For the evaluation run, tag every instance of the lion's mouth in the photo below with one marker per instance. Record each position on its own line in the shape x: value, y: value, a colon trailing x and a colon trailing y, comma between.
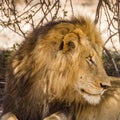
x: 92, y: 98
x: 93, y: 94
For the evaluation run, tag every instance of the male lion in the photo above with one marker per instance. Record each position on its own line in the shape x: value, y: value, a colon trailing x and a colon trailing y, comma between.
x: 58, y: 74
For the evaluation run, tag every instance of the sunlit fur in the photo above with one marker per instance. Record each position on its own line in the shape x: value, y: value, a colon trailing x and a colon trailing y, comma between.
x: 57, y: 68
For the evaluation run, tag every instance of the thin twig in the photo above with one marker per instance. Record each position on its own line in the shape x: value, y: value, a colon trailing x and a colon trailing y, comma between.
x: 97, y: 11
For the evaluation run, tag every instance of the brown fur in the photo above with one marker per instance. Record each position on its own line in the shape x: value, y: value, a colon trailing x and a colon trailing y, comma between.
x: 58, y: 68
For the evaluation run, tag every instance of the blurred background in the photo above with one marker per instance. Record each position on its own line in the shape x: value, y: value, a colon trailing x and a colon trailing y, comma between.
x: 19, y: 17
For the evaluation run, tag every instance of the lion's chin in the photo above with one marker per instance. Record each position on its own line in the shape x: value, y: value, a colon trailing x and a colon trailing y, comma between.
x: 92, y: 99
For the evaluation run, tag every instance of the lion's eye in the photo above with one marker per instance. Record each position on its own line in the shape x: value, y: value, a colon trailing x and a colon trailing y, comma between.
x: 90, y: 60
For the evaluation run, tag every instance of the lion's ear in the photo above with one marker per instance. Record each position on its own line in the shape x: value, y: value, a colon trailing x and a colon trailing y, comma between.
x: 69, y: 42
x: 68, y: 46
x: 61, y: 45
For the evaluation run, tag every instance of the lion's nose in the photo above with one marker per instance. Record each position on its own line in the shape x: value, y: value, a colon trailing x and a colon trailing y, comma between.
x: 105, y: 85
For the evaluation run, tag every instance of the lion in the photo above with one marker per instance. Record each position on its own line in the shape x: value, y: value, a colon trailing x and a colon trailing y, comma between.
x: 57, y: 74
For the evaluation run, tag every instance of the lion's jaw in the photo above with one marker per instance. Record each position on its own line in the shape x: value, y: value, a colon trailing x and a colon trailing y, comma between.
x: 92, y: 99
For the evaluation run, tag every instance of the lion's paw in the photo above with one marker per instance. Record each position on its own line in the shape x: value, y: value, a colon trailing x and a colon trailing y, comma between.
x: 56, y: 116
x: 9, y: 116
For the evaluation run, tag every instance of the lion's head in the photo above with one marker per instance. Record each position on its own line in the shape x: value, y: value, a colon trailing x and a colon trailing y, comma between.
x: 62, y: 60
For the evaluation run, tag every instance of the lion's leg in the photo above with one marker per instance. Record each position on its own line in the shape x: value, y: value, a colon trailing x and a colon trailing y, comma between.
x: 56, y: 116
x: 9, y: 116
